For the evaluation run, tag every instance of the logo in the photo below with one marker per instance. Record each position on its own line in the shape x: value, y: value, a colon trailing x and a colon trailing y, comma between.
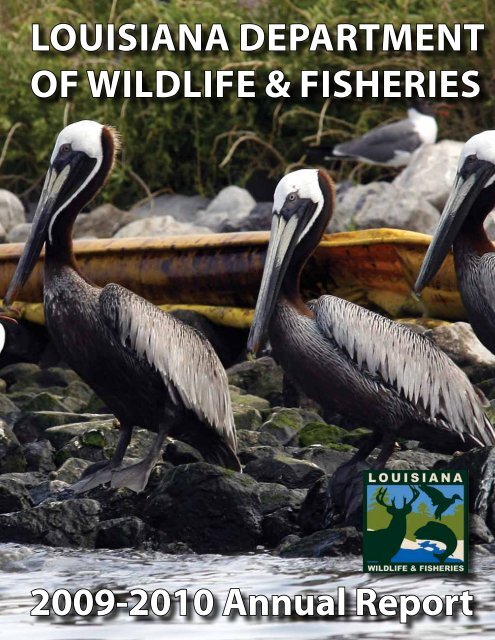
x: 415, y: 521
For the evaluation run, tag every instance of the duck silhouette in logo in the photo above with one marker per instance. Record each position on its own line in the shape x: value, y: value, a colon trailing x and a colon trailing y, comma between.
x: 383, y: 544
x: 439, y: 532
x: 441, y: 502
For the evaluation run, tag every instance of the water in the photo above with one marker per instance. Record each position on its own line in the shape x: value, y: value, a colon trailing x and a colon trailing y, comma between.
x: 25, y: 568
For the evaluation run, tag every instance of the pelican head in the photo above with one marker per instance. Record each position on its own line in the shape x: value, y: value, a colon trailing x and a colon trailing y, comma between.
x: 81, y: 160
x: 2, y: 330
x: 301, y: 213
x: 471, y: 198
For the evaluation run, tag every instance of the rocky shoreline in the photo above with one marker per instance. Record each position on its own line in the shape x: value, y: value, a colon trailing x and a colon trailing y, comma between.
x: 54, y: 426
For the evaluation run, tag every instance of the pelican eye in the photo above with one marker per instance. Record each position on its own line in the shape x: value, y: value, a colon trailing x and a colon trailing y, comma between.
x: 65, y: 149
x: 291, y: 197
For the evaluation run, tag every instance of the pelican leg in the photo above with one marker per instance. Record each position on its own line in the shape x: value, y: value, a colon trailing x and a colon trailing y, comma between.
x: 366, y: 448
x: 135, y: 477
x: 388, y: 448
x: 101, y: 472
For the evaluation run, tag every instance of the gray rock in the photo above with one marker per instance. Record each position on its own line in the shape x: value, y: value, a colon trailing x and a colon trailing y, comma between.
x: 8, y: 410
x: 278, y: 525
x: 210, y: 509
x: 14, y: 495
x: 397, y: 208
x: 479, y: 533
x: 21, y: 372
x: 329, y: 542
x: 295, y: 474
x: 313, y: 509
x: 324, y: 457
x: 177, y: 452
x: 32, y: 425
x: 284, y: 425
x: 11, y: 210
x: 11, y: 454
x: 71, y: 523
x: 460, y: 343
x: 231, y: 204
x: 19, y: 233
x: 481, y: 466
x: 431, y: 171
x: 261, y: 377
x: 40, y: 456
x: 275, y: 496
x: 119, y: 533
x: 350, y: 200
x: 72, y: 470
x: 259, y: 219
x: 102, y: 222
x: 160, y: 226
x: 182, y: 208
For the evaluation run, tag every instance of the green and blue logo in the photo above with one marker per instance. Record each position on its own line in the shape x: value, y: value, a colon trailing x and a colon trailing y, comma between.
x: 415, y: 521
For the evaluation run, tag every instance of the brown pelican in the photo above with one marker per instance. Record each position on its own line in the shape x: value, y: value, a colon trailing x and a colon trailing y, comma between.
x: 149, y: 368
x: 347, y: 358
x: 391, y: 144
x: 461, y: 225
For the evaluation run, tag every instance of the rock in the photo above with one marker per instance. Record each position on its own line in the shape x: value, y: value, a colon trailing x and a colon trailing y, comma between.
x: 72, y: 470
x: 160, y: 226
x: 329, y: 542
x: 313, y: 509
x: 119, y: 533
x: 350, y: 200
x: 479, y: 533
x: 324, y: 457
x: 261, y: 377
x: 295, y: 474
x: 324, y: 434
x: 39, y: 456
x: 460, y: 343
x: 29, y: 479
x: 11, y: 210
x: 418, y: 459
x: 45, y: 401
x: 32, y: 425
x: 246, y: 417
x: 14, y: 495
x: 19, y: 233
x: 11, y: 454
x: 397, y: 208
x: 275, y: 496
x: 259, y: 219
x: 71, y: 523
x: 96, y: 441
x: 231, y: 204
x: 182, y: 208
x: 8, y: 409
x: 21, y: 372
x: 278, y: 525
x: 177, y: 452
x: 284, y: 425
x: 212, y: 510
x: 102, y: 222
x: 50, y: 491
x: 481, y: 466
x: 431, y: 171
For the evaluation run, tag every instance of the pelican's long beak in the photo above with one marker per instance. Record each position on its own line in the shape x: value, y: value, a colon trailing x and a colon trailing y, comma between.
x: 458, y: 206
x: 53, y: 187
x: 284, y: 235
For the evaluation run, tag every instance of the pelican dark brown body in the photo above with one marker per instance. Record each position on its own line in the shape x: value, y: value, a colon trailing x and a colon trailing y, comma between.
x: 150, y: 369
x: 349, y: 359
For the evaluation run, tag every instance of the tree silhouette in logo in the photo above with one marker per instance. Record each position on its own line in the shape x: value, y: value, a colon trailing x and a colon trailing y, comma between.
x: 383, y: 544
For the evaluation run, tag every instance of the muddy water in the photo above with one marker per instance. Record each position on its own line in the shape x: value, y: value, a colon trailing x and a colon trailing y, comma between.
x: 25, y: 568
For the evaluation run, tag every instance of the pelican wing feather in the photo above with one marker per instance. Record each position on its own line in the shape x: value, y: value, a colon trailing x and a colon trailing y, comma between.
x: 402, y: 358
x: 184, y: 358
